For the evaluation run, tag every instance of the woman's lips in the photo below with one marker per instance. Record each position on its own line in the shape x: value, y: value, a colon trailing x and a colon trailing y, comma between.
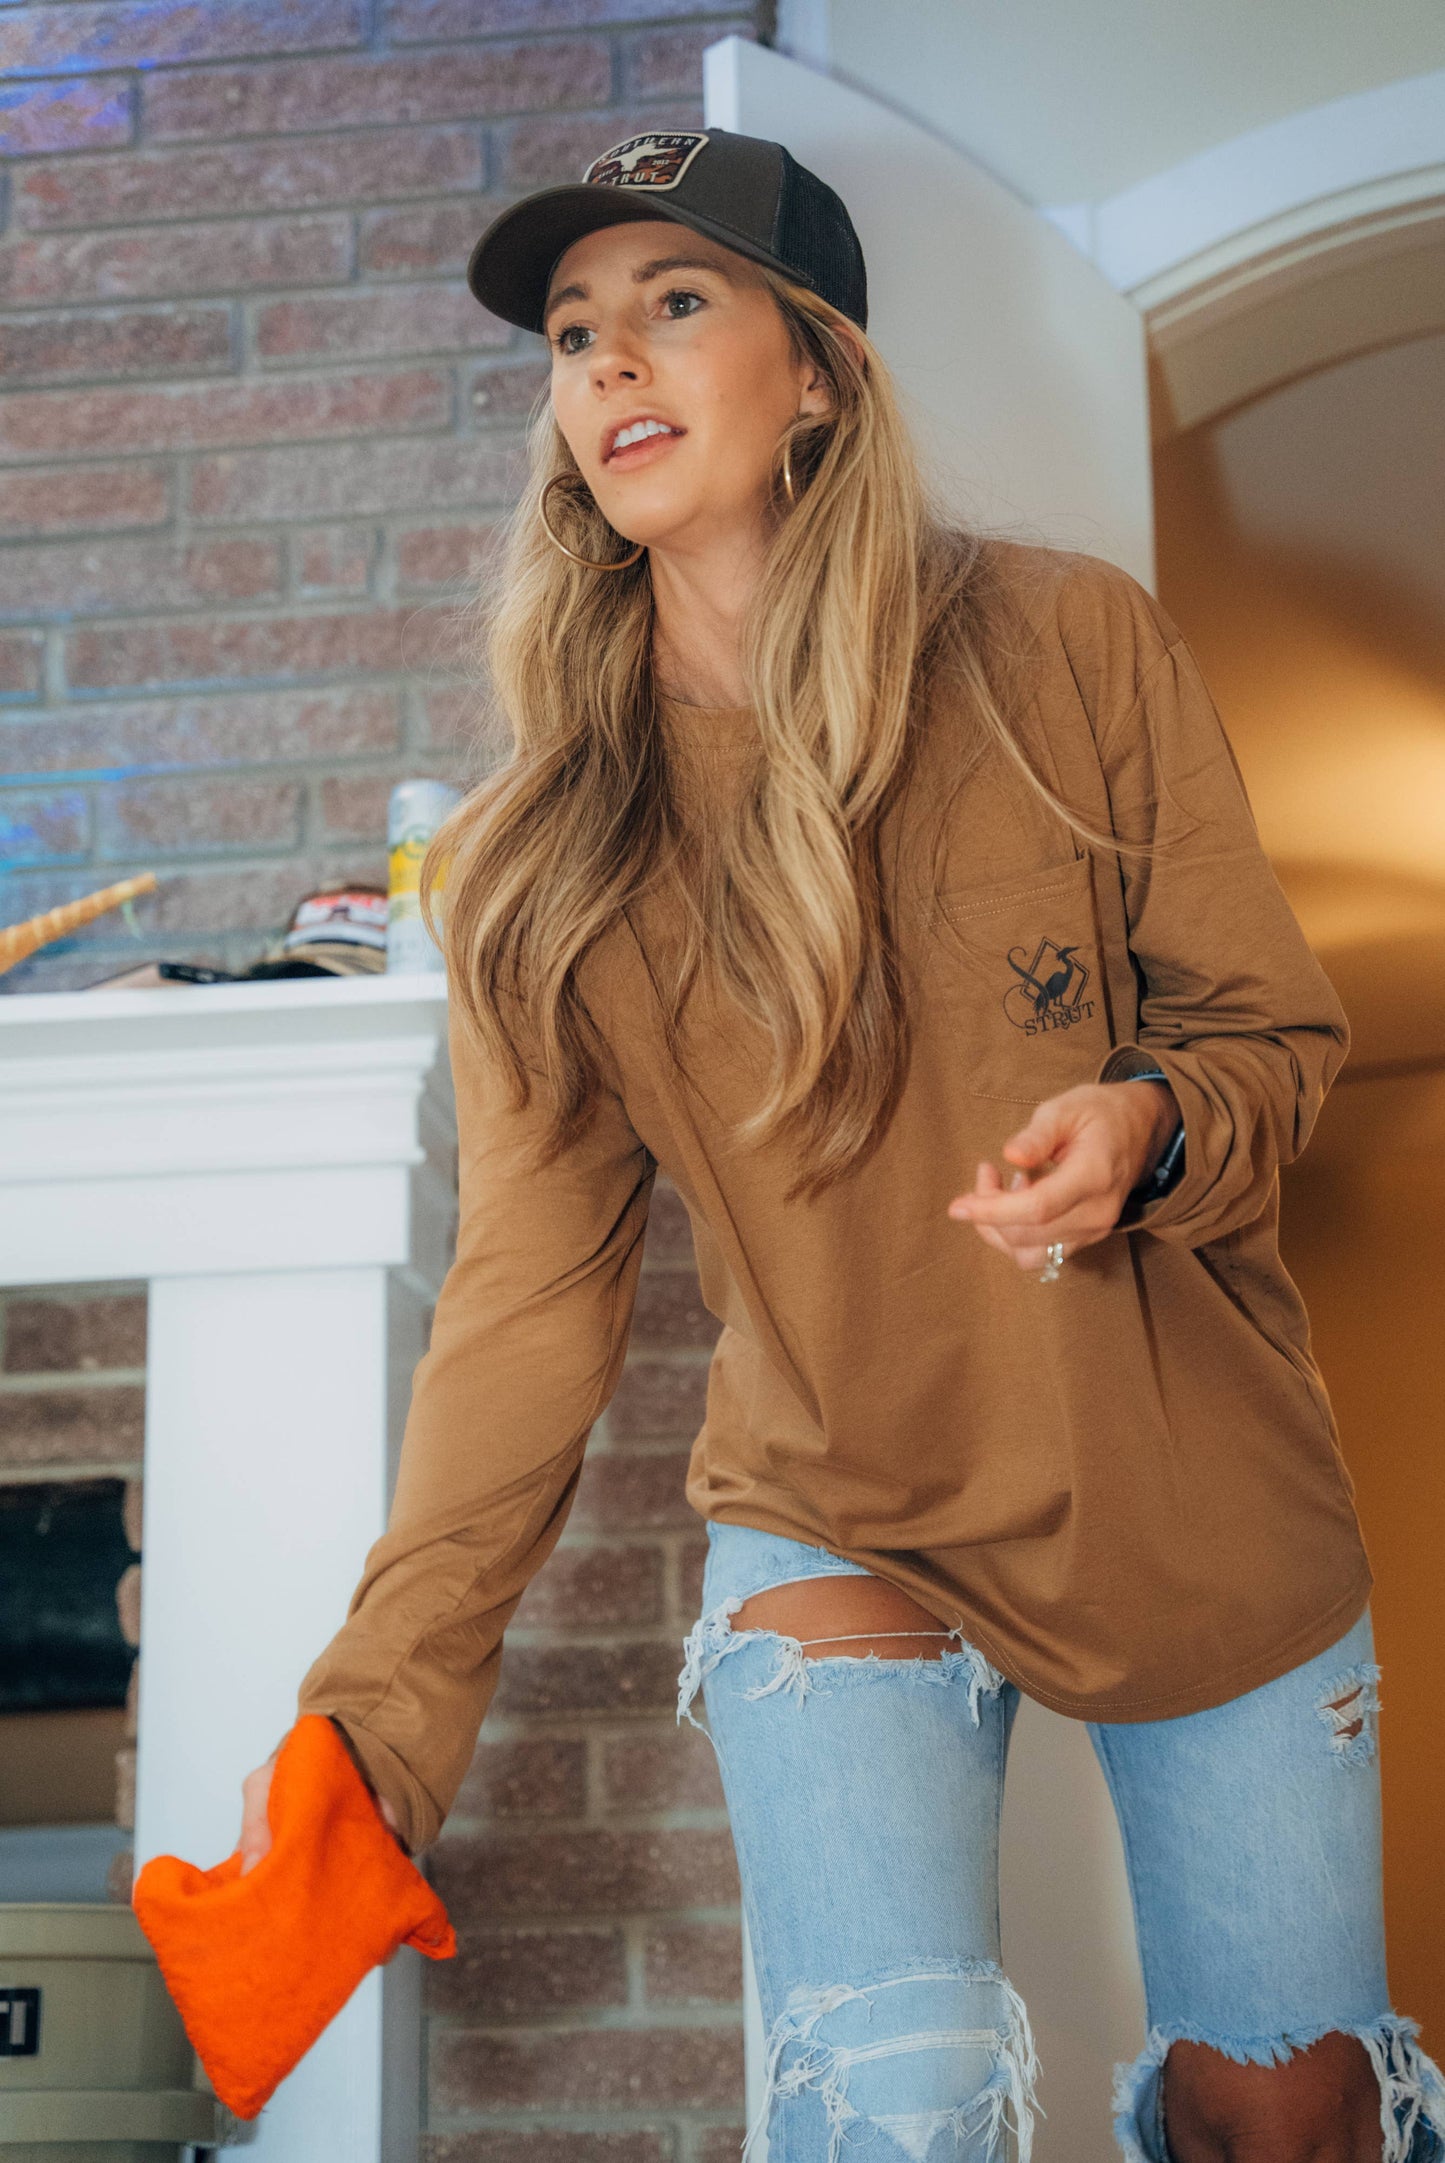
x: 642, y: 451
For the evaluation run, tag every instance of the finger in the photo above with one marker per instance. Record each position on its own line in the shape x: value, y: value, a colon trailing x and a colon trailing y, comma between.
x: 985, y: 1181
x: 1081, y: 1176
x: 1045, y: 1133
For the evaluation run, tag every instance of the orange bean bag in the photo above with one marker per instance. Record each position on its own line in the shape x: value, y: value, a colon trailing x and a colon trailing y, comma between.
x: 258, y: 1965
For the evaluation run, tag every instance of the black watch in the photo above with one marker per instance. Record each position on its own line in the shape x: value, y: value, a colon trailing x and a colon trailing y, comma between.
x: 1168, y: 1172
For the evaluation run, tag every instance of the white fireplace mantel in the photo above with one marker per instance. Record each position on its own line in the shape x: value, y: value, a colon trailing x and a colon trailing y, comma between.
x: 276, y: 1160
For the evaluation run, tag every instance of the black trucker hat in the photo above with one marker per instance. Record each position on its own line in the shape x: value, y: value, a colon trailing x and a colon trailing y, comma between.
x: 742, y: 190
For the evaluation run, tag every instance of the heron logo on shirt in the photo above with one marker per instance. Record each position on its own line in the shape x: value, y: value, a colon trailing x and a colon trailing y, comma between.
x: 1049, y: 993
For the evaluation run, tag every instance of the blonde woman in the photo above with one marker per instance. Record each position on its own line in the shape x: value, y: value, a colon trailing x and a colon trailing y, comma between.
x: 896, y: 891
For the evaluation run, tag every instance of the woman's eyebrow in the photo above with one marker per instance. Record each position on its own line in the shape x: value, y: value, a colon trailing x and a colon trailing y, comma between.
x: 640, y: 276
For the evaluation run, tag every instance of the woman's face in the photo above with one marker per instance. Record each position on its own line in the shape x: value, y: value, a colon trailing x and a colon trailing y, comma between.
x: 649, y: 319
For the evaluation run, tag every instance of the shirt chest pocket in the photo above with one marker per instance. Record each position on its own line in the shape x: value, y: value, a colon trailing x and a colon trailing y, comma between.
x: 1013, y: 985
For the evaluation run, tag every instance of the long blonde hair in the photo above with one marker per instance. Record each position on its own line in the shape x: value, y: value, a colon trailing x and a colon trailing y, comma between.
x: 868, y: 595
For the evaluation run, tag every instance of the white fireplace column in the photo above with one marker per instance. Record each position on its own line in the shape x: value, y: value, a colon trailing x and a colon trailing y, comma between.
x: 276, y: 1160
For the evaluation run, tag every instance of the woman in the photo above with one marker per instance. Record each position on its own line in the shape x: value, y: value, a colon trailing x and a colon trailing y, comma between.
x: 839, y: 851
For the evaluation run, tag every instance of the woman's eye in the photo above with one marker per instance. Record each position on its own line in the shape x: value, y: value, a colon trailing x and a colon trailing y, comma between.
x: 676, y: 292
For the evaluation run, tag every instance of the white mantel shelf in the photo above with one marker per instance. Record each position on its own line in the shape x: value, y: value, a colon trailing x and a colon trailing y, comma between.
x: 276, y: 1160
x: 262, y: 1122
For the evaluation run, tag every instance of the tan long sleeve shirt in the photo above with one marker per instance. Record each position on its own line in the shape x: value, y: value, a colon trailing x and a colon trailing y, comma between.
x: 1127, y: 1485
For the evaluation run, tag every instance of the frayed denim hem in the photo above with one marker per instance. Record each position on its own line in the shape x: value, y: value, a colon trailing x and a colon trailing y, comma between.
x: 1412, y: 2089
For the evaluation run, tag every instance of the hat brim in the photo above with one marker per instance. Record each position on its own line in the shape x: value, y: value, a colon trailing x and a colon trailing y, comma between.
x: 510, y: 267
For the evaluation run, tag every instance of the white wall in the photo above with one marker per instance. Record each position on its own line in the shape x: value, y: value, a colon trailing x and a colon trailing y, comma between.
x: 1065, y: 101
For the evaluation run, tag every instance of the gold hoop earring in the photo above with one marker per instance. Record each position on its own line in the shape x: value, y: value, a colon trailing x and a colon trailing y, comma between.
x: 619, y: 565
x: 788, y: 474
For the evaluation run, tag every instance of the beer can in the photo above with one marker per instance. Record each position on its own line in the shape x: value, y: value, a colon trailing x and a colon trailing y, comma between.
x: 415, y: 810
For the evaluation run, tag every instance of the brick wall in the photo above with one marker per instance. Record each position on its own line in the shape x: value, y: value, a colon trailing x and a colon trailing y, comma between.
x: 253, y: 434
x: 252, y: 423
x: 587, y: 1863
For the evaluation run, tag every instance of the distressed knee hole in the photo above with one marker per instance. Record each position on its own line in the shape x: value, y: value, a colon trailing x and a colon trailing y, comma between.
x: 1406, y: 2095
x: 934, y: 2062
x: 804, y: 1666
x: 1349, y: 1706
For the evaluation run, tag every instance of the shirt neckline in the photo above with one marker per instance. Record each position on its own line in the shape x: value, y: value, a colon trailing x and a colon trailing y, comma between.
x: 711, y: 731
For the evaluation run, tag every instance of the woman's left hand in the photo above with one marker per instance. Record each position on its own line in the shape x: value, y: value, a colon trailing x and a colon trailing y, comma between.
x: 1099, y: 1141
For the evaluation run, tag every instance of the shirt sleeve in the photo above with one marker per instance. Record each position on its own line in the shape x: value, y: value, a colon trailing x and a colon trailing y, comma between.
x: 1234, y: 1007
x: 526, y: 1348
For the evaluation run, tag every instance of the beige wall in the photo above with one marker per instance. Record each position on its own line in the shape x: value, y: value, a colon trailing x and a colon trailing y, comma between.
x: 1302, y: 553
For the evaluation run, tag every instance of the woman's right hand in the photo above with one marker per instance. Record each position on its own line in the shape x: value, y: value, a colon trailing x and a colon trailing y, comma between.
x: 255, y: 1840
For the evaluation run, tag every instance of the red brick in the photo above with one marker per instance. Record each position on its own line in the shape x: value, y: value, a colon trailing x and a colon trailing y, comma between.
x: 431, y: 556
x: 658, y: 1397
x: 412, y: 21
x: 54, y: 1334
x: 456, y: 720
x: 133, y: 1518
x: 220, y: 256
x: 155, y: 33
x: 669, y: 1313
x: 353, y: 721
x: 468, y: 81
x: 79, y: 1426
x: 668, y: 63
x: 594, y: 1588
x: 415, y: 237
x: 540, y: 152
x: 127, y: 187
x: 21, y: 657
x: 533, y: 1776
x: 40, y: 424
x: 92, y: 577
x: 623, y: 2068
x: 334, y: 559
x: 47, y: 499
x: 353, y: 806
x: 508, y: 393
x: 92, y: 112
x: 720, y: 2143
x: 136, y: 341
x: 275, y: 646
x: 549, y: 1680
x: 257, y: 899
x: 691, y: 1564
x: 634, y: 1493
x: 687, y: 1963
x: 35, y: 828
x: 514, y: 1973
x: 125, y: 1761
x: 669, y: 1228
x: 399, y: 320
x: 551, y: 2145
x: 354, y: 480
x: 583, y: 1870
x: 170, y: 818
x: 657, y: 1768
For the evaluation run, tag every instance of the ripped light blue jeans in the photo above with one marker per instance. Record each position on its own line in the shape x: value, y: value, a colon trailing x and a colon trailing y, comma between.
x: 864, y: 1796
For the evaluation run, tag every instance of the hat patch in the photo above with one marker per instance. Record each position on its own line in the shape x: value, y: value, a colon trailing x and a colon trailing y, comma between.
x: 645, y: 161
